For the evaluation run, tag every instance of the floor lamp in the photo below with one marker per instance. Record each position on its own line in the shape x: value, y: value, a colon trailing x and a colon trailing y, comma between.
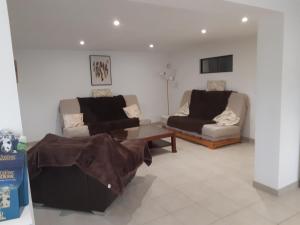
x: 168, y: 77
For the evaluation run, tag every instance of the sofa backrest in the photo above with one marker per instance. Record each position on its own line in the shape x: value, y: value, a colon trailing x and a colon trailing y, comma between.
x: 71, y: 106
x: 186, y: 97
x: 237, y: 102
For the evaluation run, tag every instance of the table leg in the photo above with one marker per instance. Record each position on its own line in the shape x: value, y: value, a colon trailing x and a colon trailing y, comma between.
x: 150, y: 144
x: 173, y: 143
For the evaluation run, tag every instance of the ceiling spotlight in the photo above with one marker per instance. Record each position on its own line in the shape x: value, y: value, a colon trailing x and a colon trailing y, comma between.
x: 203, y: 31
x: 116, y: 23
x: 82, y: 42
x: 245, y: 19
x: 151, y: 46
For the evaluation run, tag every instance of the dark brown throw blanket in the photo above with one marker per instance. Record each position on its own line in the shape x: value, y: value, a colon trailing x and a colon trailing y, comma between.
x: 188, y: 123
x: 98, y: 156
x: 106, y: 126
x: 204, y: 106
x: 102, y: 109
x: 104, y: 114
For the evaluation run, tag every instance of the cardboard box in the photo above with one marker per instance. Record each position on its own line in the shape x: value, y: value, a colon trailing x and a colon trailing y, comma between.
x: 13, y: 184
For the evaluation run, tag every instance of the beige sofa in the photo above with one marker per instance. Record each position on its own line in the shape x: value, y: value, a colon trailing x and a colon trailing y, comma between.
x: 71, y: 106
x: 214, y: 136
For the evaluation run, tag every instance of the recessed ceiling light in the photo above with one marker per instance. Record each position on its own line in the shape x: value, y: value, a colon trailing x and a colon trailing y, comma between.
x: 82, y: 42
x: 151, y: 46
x: 116, y: 23
x: 245, y: 19
x: 203, y: 31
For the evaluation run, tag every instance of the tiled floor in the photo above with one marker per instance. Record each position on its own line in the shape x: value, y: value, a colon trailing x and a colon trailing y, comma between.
x: 193, y: 187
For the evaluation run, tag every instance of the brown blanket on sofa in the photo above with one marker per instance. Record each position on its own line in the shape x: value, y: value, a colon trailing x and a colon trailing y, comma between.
x: 187, y: 123
x: 204, y: 106
x: 98, y: 156
x: 104, y: 114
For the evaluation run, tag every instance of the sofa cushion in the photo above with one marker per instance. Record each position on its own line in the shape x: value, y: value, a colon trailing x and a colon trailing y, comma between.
x: 131, y: 99
x: 206, y: 105
x: 82, y: 131
x: 132, y: 111
x: 101, y: 93
x: 183, y: 110
x: 73, y: 120
x: 187, y: 123
x: 227, y: 118
x: 69, y: 106
x: 215, y: 132
x: 216, y: 85
x: 105, y: 126
x: 238, y: 103
x: 144, y: 122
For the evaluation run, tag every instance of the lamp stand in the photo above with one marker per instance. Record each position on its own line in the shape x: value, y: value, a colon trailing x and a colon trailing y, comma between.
x: 168, y: 100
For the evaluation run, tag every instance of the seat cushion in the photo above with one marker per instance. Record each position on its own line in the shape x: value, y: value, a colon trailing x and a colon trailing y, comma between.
x: 188, y: 123
x: 215, y: 132
x: 145, y: 122
x: 103, y: 127
x: 82, y: 131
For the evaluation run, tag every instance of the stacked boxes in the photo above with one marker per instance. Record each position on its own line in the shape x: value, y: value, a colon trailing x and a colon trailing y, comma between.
x: 13, y: 181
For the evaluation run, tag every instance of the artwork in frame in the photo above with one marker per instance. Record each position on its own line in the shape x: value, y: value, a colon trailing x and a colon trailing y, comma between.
x: 100, y: 70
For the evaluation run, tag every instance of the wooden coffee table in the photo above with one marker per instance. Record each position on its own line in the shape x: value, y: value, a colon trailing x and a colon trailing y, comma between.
x: 148, y: 133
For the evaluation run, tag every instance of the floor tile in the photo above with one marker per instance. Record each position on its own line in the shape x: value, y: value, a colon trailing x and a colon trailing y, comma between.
x: 292, y: 221
x: 243, y: 196
x: 194, y: 215
x: 219, y: 205
x: 147, y: 212
x: 166, y: 220
x: 173, y: 201
x: 243, y: 217
x: 273, y: 211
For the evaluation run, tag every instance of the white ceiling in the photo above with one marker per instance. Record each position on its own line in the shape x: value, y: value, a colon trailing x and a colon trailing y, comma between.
x: 168, y: 24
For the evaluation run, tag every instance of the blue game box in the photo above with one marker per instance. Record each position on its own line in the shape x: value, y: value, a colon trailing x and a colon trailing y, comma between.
x: 13, y: 184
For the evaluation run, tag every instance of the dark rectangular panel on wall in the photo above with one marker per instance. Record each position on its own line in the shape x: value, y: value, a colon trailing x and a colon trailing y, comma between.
x: 220, y: 64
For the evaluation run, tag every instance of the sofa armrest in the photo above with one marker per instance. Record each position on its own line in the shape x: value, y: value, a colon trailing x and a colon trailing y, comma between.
x: 82, y: 131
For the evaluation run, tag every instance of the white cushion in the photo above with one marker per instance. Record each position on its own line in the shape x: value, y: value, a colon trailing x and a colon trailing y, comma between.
x: 227, y: 118
x: 216, y: 85
x: 73, y: 120
x: 132, y: 111
x: 101, y: 93
x: 184, y: 110
x: 82, y: 131
x: 145, y: 122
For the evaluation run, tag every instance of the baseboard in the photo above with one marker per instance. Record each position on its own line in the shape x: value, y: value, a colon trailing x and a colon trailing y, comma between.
x: 276, y: 192
x: 248, y: 140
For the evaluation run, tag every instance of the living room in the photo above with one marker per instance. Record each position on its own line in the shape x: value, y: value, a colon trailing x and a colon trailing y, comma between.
x: 155, y: 50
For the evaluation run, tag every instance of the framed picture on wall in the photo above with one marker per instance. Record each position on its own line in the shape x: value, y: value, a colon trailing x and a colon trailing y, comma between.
x: 100, y: 66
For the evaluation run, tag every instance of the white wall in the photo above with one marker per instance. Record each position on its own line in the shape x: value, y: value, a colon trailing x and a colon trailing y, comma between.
x: 10, y: 117
x: 242, y: 79
x: 47, y: 76
x: 268, y: 103
x: 277, y: 156
x: 290, y: 100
